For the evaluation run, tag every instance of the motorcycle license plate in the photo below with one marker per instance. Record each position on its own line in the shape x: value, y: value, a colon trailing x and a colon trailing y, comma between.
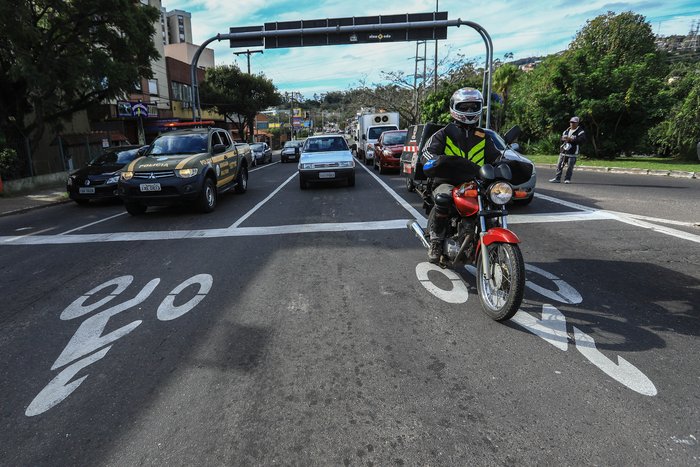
x: 326, y: 175
x: 86, y: 190
x: 150, y: 187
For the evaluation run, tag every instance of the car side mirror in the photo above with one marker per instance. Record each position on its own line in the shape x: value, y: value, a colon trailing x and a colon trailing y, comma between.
x: 364, y: 137
x: 512, y: 134
x: 515, y: 147
x: 219, y: 148
x: 141, y: 151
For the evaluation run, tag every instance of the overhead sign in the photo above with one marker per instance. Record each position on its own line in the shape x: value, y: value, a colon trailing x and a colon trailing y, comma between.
x: 329, y: 31
x: 139, y: 110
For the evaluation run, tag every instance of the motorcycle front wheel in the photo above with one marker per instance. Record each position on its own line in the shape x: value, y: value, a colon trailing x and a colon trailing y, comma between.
x: 501, y: 288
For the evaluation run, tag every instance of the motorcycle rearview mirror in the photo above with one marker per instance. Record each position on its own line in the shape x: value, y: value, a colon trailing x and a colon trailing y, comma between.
x: 487, y: 173
x: 512, y: 134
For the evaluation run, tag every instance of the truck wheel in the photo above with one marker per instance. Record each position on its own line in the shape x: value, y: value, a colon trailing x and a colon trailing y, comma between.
x: 242, y: 180
x: 206, y: 201
x: 134, y: 208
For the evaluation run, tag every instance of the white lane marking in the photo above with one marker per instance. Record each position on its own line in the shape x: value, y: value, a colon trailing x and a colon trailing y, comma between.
x: 626, y: 218
x: 91, y: 224
x: 23, y: 228
x: 560, y: 217
x: 623, y: 372
x: 564, y: 293
x: 457, y: 294
x: 551, y: 328
x: 264, y: 166
x: 259, y: 205
x: 396, y: 224
x: 418, y: 216
x: 12, y: 239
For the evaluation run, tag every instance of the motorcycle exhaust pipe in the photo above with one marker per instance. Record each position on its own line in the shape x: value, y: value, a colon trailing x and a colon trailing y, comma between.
x: 418, y: 231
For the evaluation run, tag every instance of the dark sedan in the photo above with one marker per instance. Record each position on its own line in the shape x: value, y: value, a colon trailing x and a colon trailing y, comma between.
x: 98, y: 179
x: 261, y: 153
x: 292, y: 150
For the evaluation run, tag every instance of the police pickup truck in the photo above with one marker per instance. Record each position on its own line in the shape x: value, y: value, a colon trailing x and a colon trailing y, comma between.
x: 185, y: 166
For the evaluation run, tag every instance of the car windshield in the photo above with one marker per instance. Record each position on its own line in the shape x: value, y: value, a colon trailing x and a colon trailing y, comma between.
x: 257, y: 147
x: 497, y: 140
x: 333, y: 143
x: 115, y: 157
x: 391, y: 139
x: 376, y: 132
x: 179, y: 144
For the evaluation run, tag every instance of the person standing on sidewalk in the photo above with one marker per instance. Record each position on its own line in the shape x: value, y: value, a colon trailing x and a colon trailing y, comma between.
x: 571, y: 141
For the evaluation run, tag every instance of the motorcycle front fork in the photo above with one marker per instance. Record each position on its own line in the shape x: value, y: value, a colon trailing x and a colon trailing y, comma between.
x: 485, y: 261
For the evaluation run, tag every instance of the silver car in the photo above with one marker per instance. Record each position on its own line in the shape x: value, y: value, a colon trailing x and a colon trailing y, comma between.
x: 326, y: 158
x: 261, y: 153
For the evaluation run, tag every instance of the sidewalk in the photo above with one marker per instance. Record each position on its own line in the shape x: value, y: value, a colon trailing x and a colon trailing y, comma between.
x: 23, y: 202
x: 43, y: 197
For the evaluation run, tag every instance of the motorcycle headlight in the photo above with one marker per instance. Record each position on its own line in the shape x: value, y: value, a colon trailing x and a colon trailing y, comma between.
x: 186, y: 173
x: 127, y: 175
x: 500, y: 192
x: 112, y: 180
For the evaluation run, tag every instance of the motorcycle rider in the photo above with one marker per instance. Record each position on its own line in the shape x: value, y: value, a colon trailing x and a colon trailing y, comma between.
x: 459, y: 139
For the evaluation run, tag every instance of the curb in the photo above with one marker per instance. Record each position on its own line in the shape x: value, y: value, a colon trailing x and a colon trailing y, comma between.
x: 622, y: 170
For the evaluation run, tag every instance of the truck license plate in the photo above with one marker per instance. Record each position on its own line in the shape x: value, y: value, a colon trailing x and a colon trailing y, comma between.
x: 326, y: 175
x: 150, y: 187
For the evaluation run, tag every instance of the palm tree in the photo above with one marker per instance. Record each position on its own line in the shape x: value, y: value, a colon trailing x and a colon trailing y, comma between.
x: 504, y: 78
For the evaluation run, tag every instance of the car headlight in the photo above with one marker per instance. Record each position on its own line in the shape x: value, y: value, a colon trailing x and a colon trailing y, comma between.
x: 70, y: 181
x: 186, y: 173
x: 346, y: 164
x: 127, y: 175
x: 500, y: 192
x: 112, y: 180
x: 388, y: 153
x: 306, y: 166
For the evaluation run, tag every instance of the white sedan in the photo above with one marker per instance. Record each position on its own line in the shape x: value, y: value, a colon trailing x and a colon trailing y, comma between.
x: 326, y: 158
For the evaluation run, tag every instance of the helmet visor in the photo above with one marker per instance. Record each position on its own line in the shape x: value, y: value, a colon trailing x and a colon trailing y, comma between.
x: 469, y: 107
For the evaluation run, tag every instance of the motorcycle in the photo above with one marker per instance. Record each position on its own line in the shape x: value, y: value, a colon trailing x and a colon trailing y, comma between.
x: 477, y: 233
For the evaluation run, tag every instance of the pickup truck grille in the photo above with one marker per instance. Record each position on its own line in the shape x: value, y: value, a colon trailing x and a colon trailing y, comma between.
x: 155, y: 175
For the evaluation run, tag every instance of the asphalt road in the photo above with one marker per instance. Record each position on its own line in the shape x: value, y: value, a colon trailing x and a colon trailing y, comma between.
x: 290, y: 327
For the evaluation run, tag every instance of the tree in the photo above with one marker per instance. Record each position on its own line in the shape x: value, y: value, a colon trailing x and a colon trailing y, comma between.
x: 679, y: 132
x: 235, y: 93
x: 58, y: 57
x: 504, y: 78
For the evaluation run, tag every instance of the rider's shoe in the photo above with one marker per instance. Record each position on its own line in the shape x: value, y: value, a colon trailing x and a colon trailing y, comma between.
x: 435, y: 251
x: 553, y: 180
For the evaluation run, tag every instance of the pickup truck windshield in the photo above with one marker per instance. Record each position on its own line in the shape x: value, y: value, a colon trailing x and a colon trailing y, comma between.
x: 179, y: 144
x: 376, y: 131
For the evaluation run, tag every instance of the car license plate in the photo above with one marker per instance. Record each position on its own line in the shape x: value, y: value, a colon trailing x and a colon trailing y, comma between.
x: 326, y: 175
x: 150, y: 187
x: 86, y: 190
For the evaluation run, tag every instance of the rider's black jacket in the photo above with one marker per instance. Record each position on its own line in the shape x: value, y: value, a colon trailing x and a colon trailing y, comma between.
x: 470, y: 146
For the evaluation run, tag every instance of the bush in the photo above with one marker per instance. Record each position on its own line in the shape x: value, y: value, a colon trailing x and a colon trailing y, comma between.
x: 10, y: 164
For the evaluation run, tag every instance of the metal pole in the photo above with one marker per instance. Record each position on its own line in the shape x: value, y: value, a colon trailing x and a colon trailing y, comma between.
x: 196, y: 110
x: 415, y: 84
x: 435, y: 74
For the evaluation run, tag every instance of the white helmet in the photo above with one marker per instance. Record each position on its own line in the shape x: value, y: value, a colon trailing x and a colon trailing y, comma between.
x: 466, y: 105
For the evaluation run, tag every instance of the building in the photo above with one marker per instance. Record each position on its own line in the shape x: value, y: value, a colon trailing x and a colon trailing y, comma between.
x: 179, y: 27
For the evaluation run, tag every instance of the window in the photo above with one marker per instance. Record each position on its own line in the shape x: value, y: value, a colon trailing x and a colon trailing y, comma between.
x: 181, y: 91
x: 153, y: 87
x: 226, y: 138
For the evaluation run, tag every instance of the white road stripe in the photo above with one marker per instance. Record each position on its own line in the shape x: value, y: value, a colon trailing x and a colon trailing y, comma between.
x: 264, y: 166
x: 91, y: 224
x: 259, y: 205
x: 418, y: 216
x: 11, y: 239
x: 395, y: 224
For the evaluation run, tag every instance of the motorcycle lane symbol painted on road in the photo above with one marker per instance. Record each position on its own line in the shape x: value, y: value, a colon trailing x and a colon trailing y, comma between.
x: 551, y: 326
x: 88, y: 338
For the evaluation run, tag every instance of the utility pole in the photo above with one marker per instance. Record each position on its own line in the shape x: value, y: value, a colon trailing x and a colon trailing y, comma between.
x: 416, y: 75
x: 248, y: 53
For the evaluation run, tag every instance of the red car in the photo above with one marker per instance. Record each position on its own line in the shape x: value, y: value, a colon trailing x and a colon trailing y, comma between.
x: 387, y: 151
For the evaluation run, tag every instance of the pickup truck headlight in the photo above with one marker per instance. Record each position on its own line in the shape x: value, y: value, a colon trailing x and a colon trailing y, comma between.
x: 127, y: 175
x: 186, y: 173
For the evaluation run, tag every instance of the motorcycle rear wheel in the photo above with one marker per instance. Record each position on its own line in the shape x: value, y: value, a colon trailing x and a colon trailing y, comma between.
x: 501, y: 294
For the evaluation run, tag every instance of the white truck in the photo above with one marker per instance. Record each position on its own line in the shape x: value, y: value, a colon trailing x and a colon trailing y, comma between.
x: 369, y: 127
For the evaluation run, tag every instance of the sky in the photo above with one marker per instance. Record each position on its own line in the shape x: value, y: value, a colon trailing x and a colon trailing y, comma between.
x: 523, y: 28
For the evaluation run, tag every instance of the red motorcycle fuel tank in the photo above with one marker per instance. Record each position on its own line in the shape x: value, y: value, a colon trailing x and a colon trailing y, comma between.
x: 464, y: 197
